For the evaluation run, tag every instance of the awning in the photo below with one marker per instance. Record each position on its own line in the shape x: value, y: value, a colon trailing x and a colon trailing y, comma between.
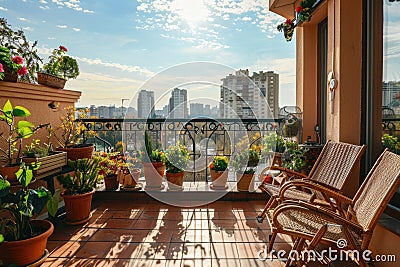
x: 285, y: 8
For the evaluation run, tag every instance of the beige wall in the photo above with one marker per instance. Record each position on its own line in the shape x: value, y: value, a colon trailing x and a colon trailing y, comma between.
x: 36, y: 99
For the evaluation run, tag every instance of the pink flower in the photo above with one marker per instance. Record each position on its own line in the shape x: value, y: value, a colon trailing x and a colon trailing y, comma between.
x: 18, y: 59
x: 1, y: 68
x: 22, y: 71
x: 299, y: 9
x: 63, y: 48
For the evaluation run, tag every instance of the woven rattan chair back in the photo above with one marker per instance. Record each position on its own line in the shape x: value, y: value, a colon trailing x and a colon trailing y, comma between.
x: 335, y: 163
x: 377, y: 190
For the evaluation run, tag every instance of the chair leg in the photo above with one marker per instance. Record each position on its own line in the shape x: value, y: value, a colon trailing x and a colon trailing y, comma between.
x: 261, y: 217
x: 271, y: 241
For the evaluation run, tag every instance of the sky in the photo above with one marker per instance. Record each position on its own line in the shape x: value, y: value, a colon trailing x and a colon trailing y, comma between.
x: 121, y: 45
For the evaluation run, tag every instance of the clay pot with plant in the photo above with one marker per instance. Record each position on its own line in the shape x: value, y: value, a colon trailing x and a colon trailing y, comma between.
x: 79, y: 188
x: 153, y: 161
x: 129, y: 173
x: 109, y: 169
x: 219, y: 172
x: 177, y: 159
x: 17, y: 129
x: 59, y: 68
x: 69, y: 134
x: 245, y: 163
x: 23, y: 240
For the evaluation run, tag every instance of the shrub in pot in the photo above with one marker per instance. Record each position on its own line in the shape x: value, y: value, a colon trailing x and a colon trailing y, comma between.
x: 79, y: 188
x: 23, y: 240
x: 245, y: 163
x: 108, y: 163
x: 17, y: 129
x: 218, y: 172
x: 177, y: 158
x: 70, y: 134
x: 153, y: 161
x: 59, y: 68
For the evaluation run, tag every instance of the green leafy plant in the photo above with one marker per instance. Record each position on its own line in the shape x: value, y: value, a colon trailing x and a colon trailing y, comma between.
x: 246, y: 161
x: 23, y: 205
x: 391, y: 143
x: 177, y: 158
x: 288, y: 29
x: 84, y: 178
x: 294, y: 156
x: 274, y: 142
x: 18, y: 45
x: 36, y: 150
x: 61, y: 65
x: 16, y: 132
x: 150, y: 154
x: 219, y: 163
x: 13, y: 65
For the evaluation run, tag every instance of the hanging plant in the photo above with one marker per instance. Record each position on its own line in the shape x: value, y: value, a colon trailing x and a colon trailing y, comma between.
x: 288, y: 29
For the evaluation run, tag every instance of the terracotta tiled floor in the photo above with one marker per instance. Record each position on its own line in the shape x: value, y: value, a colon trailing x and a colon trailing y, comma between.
x: 125, y: 233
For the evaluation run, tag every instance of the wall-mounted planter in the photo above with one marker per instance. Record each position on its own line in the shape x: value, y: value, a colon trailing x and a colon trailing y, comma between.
x: 49, y: 164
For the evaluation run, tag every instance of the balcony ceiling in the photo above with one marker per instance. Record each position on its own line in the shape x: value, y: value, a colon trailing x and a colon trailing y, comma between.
x: 284, y: 8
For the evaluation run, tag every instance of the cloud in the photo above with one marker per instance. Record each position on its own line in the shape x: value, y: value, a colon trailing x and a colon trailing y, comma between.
x: 3, y: 8
x: 62, y: 26
x: 76, y: 29
x: 71, y: 4
x: 43, y: 1
x: 44, y: 7
x: 27, y: 29
x: 22, y: 19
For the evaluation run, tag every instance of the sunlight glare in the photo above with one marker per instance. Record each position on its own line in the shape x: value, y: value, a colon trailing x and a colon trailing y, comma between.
x: 193, y: 12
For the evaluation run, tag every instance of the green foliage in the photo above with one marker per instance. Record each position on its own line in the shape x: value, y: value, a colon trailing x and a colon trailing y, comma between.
x: 17, y: 44
x: 23, y: 205
x: 16, y: 131
x: 35, y: 150
x: 246, y: 161
x: 177, y: 158
x: 149, y: 153
x: 84, y: 178
x: 274, y: 142
x: 61, y: 66
x: 391, y: 143
x: 5, y: 60
x: 219, y: 163
x: 294, y: 156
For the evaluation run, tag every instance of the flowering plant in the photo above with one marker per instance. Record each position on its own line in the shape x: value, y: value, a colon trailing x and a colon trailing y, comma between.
x: 60, y: 65
x: 13, y: 64
x: 177, y: 158
x: 304, y: 10
x: 288, y: 29
x: 219, y: 163
x: 149, y: 154
x: 108, y: 163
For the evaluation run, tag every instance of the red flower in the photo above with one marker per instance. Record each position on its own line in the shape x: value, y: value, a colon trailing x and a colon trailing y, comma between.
x: 288, y: 21
x: 22, y: 71
x: 18, y: 59
x: 212, y: 166
x: 299, y: 9
x: 1, y: 68
x: 63, y: 48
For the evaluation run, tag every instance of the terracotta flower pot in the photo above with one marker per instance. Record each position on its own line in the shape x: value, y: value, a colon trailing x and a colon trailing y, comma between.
x: 81, y: 152
x: 111, y: 182
x: 9, y: 76
x: 219, y: 178
x: 28, y: 251
x: 9, y: 172
x: 78, y: 207
x: 129, y: 180
x: 50, y: 80
x: 154, y: 173
x: 175, y: 180
x: 244, y: 181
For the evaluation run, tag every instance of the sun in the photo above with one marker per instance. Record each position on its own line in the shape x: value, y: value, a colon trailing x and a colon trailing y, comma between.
x: 194, y: 12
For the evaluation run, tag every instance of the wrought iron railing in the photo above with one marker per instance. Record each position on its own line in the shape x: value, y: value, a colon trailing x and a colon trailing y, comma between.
x: 203, y: 137
x: 391, y: 126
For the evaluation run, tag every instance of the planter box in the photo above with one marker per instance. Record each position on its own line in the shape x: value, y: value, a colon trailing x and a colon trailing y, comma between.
x: 50, y: 164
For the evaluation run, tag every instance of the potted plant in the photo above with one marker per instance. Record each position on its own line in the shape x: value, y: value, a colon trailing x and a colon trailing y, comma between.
x: 59, y: 68
x: 245, y: 163
x: 18, y: 45
x: 11, y: 67
x: 23, y: 240
x: 153, y: 161
x: 274, y: 143
x: 291, y: 126
x: 129, y: 173
x: 15, y: 131
x: 109, y: 169
x: 218, y: 172
x: 79, y: 188
x: 177, y: 158
x: 294, y: 157
x: 69, y: 135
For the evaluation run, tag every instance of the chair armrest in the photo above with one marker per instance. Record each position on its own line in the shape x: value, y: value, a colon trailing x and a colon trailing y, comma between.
x: 290, y: 172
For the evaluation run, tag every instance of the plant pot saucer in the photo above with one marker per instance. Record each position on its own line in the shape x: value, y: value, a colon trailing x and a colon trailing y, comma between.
x: 213, y: 187
x: 78, y: 222
x: 137, y: 187
x: 41, y: 260
x: 154, y: 188
x: 176, y: 188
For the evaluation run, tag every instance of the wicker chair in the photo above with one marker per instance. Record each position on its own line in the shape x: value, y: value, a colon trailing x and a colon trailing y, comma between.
x: 332, y: 168
x: 308, y: 223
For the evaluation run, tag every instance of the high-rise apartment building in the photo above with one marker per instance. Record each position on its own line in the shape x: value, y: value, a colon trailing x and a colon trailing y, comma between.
x: 178, y: 107
x: 145, y: 104
x: 197, y: 110
x: 389, y: 92
x: 250, y: 97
